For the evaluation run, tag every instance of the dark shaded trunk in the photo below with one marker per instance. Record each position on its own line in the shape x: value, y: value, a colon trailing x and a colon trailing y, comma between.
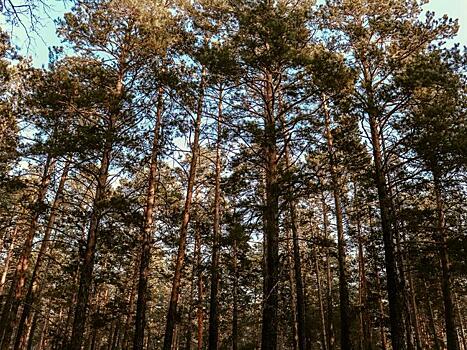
x: 145, y: 259
x: 271, y: 227
x: 394, y: 295
x: 449, y: 313
x: 175, y: 293
x: 31, y: 297
x: 213, y: 304
x: 235, y: 299
x: 344, y: 302
x: 432, y: 323
x: 329, y: 301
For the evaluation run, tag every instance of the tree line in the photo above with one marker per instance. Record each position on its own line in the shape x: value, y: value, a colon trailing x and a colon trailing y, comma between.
x: 250, y: 174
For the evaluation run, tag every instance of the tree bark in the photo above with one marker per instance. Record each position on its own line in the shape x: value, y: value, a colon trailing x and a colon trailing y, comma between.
x: 235, y: 299
x: 15, y: 295
x: 31, y: 296
x: 199, y: 277
x: 213, y: 304
x: 87, y: 266
x: 449, y: 313
x: 344, y: 301
x: 175, y: 293
x: 140, y: 319
x: 394, y: 295
x: 271, y: 227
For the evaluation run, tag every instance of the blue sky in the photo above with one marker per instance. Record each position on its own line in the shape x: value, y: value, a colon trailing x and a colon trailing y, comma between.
x: 38, y: 48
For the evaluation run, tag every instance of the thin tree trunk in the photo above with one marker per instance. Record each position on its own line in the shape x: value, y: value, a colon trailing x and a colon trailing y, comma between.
x: 31, y: 296
x: 432, y: 322
x: 235, y: 299
x: 175, y: 293
x: 461, y: 323
x: 293, y: 299
x: 449, y: 313
x: 298, y: 291
x: 321, y: 303
x: 381, y: 311
x: 329, y: 301
x: 10, y: 309
x: 344, y: 302
x: 6, y: 263
x: 87, y: 266
x: 199, y: 311
x: 140, y: 319
x: 213, y: 304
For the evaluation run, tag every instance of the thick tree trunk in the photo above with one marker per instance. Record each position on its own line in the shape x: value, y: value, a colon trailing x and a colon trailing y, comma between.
x: 15, y: 295
x: 213, y: 304
x: 271, y: 225
x: 394, y: 295
x: 20, y: 341
x: 344, y: 302
x: 87, y: 266
x: 140, y: 319
x: 175, y: 293
x: 449, y: 313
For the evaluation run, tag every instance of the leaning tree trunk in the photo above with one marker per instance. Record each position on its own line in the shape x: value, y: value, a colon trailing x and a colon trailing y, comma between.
x: 140, y: 319
x: 175, y: 293
x: 87, y: 266
x: 213, y: 304
x: 449, y: 314
x: 21, y: 335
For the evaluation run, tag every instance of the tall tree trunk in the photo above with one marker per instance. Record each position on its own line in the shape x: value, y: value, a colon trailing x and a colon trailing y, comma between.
x: 199, y: 277
x: 213, y: 304
x: 449, y: 314
x: 293, y: 298
x: 299, y: 298
x: 394, y: 295
x: 87, y: 266
x: 271, y: 225
x: 140, y: 319
x: 175, y: 293
x: 381, y: 311
x: 20, y: 341
x: 324, y: 338
x: 344, y: 302
x: 329, y: 301
x: 235, y: 299
x: 365, y: 321
x: 15, y: 295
